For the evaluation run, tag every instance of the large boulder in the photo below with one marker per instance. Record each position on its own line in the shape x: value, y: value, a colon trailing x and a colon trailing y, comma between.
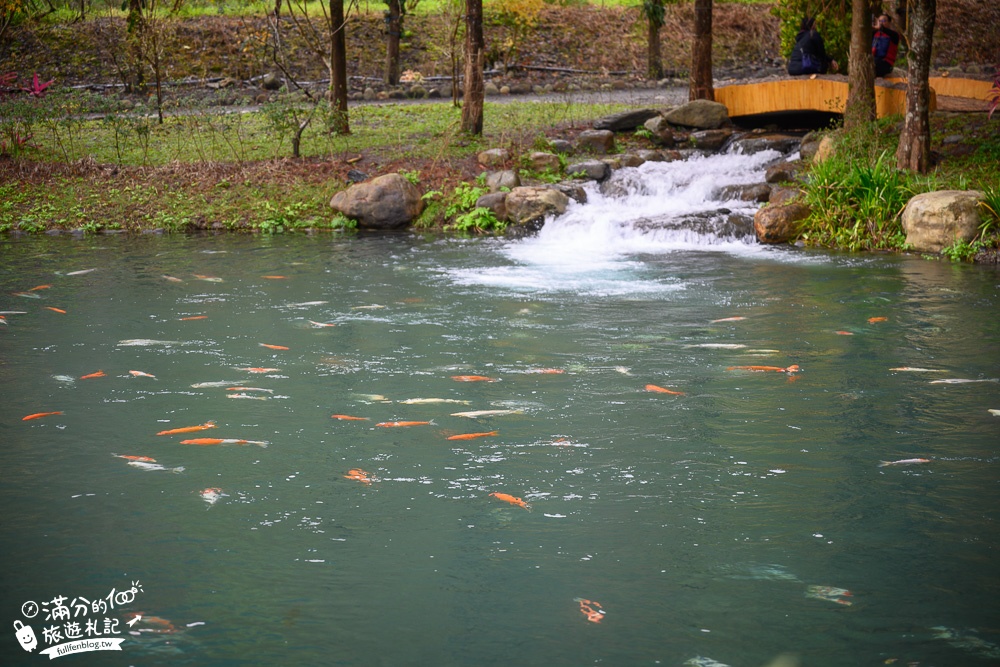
x: 825, y: 149
x: 529, y: 204
x: 500, y: 180
x: 935, y: 220
x: 757, y: 142
x: 779, y: 224
x: 542, y: 161
x: 710, y: 140
x: 594, y: 170
x: 494, y: 157
x: 662, y: 131
x: 783, y: 172
x: 386, y: 202
x: 702, y: 114
x: 600, y: 142
x: 625, y: 121
x: 496, y: 202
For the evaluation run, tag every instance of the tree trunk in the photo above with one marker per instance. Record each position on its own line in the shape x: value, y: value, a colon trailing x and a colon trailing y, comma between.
x: 654, y: 21
x: 915, y: 141
x: 338, y: 68
x: 860, y: 107
x: 472, y: 109
x: 135, y: 27
x: 701, y: 53
x: 393, y: 31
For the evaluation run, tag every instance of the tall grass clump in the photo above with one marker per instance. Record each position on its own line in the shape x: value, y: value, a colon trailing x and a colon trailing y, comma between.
x: 857, y: 195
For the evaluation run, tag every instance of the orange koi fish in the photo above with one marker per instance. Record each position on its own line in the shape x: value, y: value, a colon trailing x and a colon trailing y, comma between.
x: 211, y: 279
x: 211, y: 495
x: 546, y: 371
x: 98, y: 374
x: 160, y: 626
x: 662, y: 390
x: 592, y: 610
x: 39, y: 415
x: 194, y: 317
x: 394, y: 424
x: 359, y: 475
x: 35, y: 289
x: 275, y: 277
x: 738, y: 318
x: 472, y: 378
x: 273, y: 347
x: 224, y: 441
x: 140, y: 374
x: 129, y: 457
x: 794, y: 368
x: 259, y: 370
x: 349, y: 418
x: 470, y: 436
x: 189, y: 429
x: 874, y: 320
x: 843, y: 333
x: 513, y: 500
x: 55, y: 310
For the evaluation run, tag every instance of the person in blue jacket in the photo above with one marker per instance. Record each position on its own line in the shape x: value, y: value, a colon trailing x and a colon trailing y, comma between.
x: 809, y: 53
x: 885, y: 45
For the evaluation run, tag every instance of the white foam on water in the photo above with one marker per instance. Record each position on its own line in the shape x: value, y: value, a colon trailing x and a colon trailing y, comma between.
x: 596, y: 248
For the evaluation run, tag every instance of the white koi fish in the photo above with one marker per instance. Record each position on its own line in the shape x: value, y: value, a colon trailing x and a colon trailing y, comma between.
x: 250, y: 396
x: 701, y: 661
x: 304, y: 304
x: 474, y: 414
x: 995, y: 413
x: 912, y: 369
x: 429, y: 401
x: 80, y: 272
x: 962, y: 381
x: 320, y: 325
x: 269, y: 391
x: 171, y: 279
x: 719, y: 346
x: 624, y: 370
x: 211, y: 495
x: 902, y: 462
x: 148, y: 342
x: 145, y: 465
x: 219, y: 383
x: 374, y: 306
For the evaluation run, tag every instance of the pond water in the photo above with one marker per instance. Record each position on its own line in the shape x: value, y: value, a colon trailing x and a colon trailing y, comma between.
x: 744, y: 517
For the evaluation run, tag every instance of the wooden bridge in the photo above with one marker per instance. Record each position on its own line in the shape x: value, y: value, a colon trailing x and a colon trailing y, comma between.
x: 828, y: 93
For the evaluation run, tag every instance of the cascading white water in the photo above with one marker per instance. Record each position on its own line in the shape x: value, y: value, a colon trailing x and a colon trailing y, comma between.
x: 656, y: 208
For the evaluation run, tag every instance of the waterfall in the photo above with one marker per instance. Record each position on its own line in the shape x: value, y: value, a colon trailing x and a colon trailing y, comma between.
x: 654, y: 209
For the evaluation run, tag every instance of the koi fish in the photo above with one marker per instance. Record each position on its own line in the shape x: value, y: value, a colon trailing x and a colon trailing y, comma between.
x: 13, y: 312
x: 349, y: 418
x: 995, y: 413
x: 146, y: 465
x: 27, y: 295
x: 592, y: 610
x: 81, y: 272
x: 35, y: 289
x: 359, y: 475
x: 902, y: 462
x: 65, y: 379
x: 98, y: 374
x: 472, y: 378
x: 147, y: 342
x: 270, y: 391
x: 875, y: 320
x: 738, y: 318
x: 259, y: 370
x: 624, y: 370
x: 194, y: 317
x: 161, y: 625
x: 830, y: 594
x: 321, y: 324
x: 39, y: 415
x: 546, y: 371
x: 843, y: 333
x: 794, y: 368
x: 218, y: 383
x: 172, y: 279
x: 275, y: 277
x: 662, y: 390
x: 189, y: 429
x: 910, y: 369
x: 471, y: 436
x: 513, y: 500
x: 304, y: 304
x: 129, y: 457
x: 273, y: 347
x: 209, y: 279
x: 55, y: 310
x: 211, y: 495
x: 702, y: 661
x: 250, y: 396
x: 374, y: 306
x: 428, y: 401
x: 475, y: 414
x: 224, y: 441
x: 962, y: 381
x: 395, y: 424
x: 719, y: 346
x: 3, y: 320
x: 140, y: 374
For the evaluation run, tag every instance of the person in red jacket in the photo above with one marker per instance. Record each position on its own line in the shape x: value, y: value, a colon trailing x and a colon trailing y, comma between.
x: 885, y: 45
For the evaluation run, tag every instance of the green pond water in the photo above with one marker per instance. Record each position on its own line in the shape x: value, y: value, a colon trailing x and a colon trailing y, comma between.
x: 714, y: 524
